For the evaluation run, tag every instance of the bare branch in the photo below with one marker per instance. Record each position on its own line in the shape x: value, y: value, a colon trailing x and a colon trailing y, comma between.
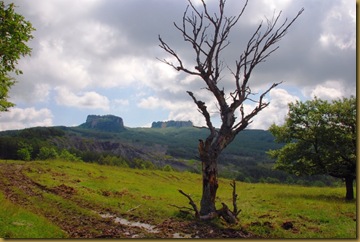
x: 226, y: 214
x: 234, y: 196
x: 191, y: 202
x: 203, y: 109
x: 169, y: 50
x: 245, y: 120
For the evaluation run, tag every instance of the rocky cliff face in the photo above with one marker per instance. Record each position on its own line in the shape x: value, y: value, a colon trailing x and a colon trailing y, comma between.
x: 109, y: 123
x: 171, y: 123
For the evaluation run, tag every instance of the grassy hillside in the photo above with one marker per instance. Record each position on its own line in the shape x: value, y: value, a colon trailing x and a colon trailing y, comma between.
x: 66, y: 199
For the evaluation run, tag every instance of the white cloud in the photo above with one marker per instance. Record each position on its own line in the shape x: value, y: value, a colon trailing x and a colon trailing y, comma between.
x: 191, y: 114
x: 339, y: 26
x: 276, y: 111
x: 155, y: 102
x: 122, y: 71
x: 99, y: 38
x: 41, y: 92
x: 257, y: 11
x: 58, y: 11
x: 149, y: 103
x: 121, y: 102
x: 327, y: 90
x: 89, y: 100
x: 178, y: 110
x: 51, y: 65
x: 18, y: 118
x: 30, y: 92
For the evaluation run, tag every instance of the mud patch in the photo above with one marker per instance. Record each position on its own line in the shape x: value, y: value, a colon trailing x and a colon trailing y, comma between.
x: 173, y: 228
x: 287, y: 225
x: 64, y: 190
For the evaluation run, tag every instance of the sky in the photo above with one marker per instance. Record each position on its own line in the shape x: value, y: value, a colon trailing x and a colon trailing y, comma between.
x: 102, y: 57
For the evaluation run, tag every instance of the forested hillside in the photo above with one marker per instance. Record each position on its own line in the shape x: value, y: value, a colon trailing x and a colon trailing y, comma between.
x: 105, y: 140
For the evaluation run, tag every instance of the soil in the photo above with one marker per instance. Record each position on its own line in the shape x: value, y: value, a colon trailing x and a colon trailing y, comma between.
x: 21, y: 190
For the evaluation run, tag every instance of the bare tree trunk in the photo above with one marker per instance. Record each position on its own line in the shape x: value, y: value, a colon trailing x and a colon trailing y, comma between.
x: 349, y: 182
x: 209, y: 152
x: 210, y: 185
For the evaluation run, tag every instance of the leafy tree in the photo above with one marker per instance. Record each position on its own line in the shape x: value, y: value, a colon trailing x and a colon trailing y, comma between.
x: 67, y: 156
x: 207, y: 34
x: 24, y: 152
x: 15, y: 31
x: 47, y: 153
x: 320, y: 138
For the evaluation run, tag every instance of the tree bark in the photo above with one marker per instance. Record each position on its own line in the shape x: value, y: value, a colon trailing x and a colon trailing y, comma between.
x: 349, y: 181
x: 227, y: 215
x: 210, y: 185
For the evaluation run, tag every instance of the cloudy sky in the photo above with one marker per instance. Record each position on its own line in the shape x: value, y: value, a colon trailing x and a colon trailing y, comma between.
x: 100, y: 57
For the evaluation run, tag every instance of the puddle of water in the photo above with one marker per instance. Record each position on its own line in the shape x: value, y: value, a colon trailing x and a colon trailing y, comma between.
x: 181, y: 236
x: 148, y: 227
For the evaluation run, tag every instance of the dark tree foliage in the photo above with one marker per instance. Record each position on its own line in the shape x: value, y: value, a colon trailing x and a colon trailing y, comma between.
x: 320, y: 138
x: 15, y: 32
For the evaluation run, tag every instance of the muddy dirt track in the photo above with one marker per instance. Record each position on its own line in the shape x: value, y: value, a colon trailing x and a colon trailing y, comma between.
x: 21, y: 190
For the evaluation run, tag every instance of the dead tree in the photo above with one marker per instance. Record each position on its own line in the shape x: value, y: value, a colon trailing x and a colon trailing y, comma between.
x: 208, y: 36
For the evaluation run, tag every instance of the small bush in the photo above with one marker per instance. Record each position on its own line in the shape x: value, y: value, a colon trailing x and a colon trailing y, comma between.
x: 47, y: 153
x: 168, y: 168
x: 272, y: 180
x: 66, y: 155
x: 24, y: 154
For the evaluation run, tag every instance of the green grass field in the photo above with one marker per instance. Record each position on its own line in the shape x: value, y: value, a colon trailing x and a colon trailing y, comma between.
x: 58, y: 192
x: 16, y: 222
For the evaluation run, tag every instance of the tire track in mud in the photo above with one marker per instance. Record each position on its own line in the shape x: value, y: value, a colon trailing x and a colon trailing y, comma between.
x: 21, y: 190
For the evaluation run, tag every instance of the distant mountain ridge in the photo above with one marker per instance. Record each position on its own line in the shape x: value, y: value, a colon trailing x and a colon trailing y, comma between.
x: 171, y: 123
x: 108, y: 123
x: 112, y: 123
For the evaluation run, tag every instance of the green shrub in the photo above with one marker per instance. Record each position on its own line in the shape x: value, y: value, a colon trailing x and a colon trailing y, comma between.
x: 47, y: 153
x: 112, y: 161
x: 24, y: 154
x: 272, y: 180
x: 168, y: 168
x: 24, y: 151
x: 67, y: 156
x: 143, y: 164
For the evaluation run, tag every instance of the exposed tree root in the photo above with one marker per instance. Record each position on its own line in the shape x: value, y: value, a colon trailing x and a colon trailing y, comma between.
x: 229, y: 216
x: 191, y: 202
